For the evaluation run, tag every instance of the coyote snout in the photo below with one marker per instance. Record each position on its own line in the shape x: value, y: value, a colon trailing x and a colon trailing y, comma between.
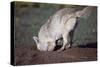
x: 59, y: 26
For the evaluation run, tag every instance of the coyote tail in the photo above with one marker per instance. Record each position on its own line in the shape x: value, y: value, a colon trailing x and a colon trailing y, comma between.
x: 84, y: 13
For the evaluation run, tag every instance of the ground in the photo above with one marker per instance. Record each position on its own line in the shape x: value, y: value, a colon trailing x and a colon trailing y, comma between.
x: 26, y: 55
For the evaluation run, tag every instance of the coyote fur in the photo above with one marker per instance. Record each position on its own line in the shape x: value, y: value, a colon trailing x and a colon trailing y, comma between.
x: 57, y: 26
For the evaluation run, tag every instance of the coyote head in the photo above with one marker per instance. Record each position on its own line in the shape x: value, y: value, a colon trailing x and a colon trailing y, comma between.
x: 42, y: 46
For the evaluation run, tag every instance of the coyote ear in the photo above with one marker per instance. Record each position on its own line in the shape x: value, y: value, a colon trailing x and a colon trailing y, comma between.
x: 36, y: 39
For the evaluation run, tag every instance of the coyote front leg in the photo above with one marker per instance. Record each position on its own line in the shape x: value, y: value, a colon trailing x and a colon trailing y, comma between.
x: 51, y: 46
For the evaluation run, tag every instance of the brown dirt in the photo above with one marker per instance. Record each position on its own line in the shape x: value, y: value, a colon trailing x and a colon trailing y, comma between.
x: 26, y: 55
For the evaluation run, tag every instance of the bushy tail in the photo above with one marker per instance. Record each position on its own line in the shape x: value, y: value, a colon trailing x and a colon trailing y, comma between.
x: 85, y: 12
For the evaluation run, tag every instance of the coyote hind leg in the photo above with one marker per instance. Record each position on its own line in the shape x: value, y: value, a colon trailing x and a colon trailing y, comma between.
x: 65, y: 42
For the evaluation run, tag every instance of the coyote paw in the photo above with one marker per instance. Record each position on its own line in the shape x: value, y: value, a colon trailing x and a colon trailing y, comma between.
x: 61, y: 49
x: 68, y: 46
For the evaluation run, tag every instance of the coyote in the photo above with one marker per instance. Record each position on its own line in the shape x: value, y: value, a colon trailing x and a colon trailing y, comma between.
x: 57, y: 26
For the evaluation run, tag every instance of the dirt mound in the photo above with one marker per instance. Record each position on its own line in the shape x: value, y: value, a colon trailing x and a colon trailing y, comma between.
x: 26, y: 55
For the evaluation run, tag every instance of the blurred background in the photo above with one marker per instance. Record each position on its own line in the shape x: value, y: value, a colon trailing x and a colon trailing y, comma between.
x: 29, y: 17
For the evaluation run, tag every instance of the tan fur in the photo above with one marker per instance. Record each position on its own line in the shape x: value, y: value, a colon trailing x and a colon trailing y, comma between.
x: 59, y: 25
